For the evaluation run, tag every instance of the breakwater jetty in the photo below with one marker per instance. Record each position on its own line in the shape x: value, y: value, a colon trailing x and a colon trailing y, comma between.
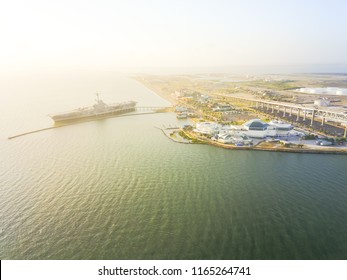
x: 144, y: 112
x: 173, y: 134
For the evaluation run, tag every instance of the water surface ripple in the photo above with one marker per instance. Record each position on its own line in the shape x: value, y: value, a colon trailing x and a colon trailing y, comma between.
x: 119, y: 189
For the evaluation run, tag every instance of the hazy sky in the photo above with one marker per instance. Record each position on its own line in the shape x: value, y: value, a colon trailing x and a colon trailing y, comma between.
x: 151, y: 33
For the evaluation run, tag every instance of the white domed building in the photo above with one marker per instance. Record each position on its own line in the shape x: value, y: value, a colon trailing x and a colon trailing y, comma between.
x: 206, y: 128
x: 256, y: 128
x: 282, y: 128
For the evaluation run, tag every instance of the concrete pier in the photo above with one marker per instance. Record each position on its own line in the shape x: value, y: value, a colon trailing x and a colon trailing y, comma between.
x: 86, y: 120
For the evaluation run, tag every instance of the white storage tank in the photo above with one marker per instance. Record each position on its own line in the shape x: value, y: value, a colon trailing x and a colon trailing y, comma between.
x: 322, y: 103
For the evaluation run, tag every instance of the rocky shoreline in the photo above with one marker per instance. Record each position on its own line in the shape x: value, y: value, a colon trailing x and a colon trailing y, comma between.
x: 271, y: 147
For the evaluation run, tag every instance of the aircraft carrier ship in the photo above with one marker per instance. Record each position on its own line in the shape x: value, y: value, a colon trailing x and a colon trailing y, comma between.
x: 98, y: 110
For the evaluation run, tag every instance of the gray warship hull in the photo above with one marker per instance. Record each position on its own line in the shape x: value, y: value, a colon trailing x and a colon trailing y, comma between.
x: 99, y: 110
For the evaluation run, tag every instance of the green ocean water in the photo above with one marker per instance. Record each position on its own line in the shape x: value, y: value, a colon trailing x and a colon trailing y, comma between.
x: 119, y: 189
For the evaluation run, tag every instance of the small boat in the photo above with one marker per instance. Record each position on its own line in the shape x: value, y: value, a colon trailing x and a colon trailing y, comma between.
x: 182, y: 115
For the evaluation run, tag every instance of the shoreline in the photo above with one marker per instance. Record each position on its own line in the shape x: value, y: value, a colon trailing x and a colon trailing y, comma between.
x: 156, y: 91
x: 269, y: 149
x: 257, y: 147
x: 173, y: 102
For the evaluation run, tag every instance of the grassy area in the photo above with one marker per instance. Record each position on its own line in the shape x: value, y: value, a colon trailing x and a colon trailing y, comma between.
x: 274, y: 85
x: 185, y: 136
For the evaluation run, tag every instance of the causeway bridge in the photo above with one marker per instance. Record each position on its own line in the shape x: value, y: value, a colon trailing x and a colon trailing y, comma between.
x: 152, y: 108
x: 289, y: 109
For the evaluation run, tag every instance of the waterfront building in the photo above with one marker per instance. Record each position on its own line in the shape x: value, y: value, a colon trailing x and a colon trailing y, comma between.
x: 234, y: 137
x: 256, y: 128
x: 207, y: 128
x: 282, y: 128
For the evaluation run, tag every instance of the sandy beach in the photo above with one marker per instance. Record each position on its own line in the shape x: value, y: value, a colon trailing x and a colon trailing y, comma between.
x: 168, y: 97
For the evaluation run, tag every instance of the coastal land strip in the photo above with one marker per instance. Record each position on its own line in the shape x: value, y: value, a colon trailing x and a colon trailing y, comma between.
x: 193, y: 138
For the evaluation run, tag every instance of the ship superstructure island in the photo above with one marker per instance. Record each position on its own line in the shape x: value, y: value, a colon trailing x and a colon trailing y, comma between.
x: 98, y: 110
